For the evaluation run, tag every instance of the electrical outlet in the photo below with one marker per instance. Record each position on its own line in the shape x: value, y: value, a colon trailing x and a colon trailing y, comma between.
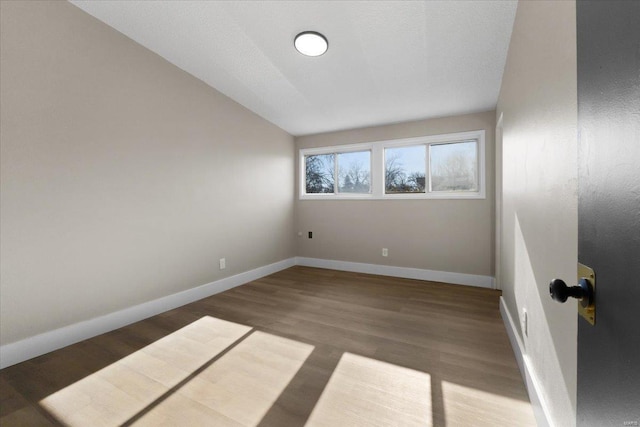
x: 223, y: 263
x: 311, y: 234
x: 385, y: 252
x: 525, y: 322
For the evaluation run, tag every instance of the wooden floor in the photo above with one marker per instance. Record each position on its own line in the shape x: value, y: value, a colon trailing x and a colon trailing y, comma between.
x: 301, y: 347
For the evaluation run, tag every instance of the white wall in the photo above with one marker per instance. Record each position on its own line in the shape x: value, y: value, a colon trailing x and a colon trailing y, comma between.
x: 538, y: 102
x: 445, y: 235
x: 124, y: 179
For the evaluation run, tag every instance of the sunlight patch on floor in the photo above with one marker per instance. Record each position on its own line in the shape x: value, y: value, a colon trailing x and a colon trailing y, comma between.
x: 121, y: 390
x: 238, y: 389
x: 368, y: 392
x: 473, y: 407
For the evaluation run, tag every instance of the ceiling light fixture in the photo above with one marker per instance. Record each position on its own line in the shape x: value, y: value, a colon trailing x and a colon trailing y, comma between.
x: 310, y: 43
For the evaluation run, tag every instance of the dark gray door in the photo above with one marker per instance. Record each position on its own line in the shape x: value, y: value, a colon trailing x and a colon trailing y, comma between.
x: 609, y: 210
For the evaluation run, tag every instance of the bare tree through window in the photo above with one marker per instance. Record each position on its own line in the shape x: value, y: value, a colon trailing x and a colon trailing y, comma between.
x: 319, y: 173
x: 404, y: 170
x: 354, y: 172
x: 454, y: 166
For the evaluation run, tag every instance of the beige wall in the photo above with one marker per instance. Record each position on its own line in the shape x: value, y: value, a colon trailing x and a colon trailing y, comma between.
x: 445, y: 235
x: 538, y: 101
x: 124, y: 179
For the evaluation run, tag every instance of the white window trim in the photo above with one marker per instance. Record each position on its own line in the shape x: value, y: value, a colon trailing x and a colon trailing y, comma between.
x: 378, y: 166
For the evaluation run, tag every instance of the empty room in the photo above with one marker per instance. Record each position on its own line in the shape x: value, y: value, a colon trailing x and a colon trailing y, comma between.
x: 319, y: 213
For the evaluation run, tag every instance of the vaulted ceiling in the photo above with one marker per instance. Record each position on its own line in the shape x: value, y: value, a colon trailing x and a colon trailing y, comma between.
x: 388, y: 61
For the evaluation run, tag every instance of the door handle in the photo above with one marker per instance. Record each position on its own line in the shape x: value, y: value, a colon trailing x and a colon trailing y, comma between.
x: 584, y: 292
x: 561, y: 292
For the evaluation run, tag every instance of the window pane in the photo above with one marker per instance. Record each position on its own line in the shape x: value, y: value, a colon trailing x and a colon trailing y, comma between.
x: 319, y: 173
x: 454, y: 166
x: 405, y: 169
x: 354, y: 172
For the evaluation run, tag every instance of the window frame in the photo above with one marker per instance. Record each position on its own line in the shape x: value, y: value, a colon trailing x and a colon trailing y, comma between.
x: 377, y: 168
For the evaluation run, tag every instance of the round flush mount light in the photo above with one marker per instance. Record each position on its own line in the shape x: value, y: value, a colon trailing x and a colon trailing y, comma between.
x: 311, y: 43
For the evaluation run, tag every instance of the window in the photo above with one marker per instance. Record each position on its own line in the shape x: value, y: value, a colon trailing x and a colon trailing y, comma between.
x: 339, y: 172
x: 319, y: 170
x: 405, y: 169
x: 454, y: 166
x: 431, y: 167
x: 354, y: 172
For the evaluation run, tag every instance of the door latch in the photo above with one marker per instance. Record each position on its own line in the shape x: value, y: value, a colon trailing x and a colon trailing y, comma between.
x: 587, y: 309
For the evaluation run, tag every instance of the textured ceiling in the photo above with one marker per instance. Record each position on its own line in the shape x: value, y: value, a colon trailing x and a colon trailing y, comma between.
x: 388, y: 61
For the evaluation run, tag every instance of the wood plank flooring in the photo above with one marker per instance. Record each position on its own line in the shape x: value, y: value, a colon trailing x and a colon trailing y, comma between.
x: 301, y: 347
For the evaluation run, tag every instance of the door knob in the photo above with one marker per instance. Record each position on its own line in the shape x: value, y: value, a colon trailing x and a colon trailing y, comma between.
x: 561, y: 292
x: 585, y: 292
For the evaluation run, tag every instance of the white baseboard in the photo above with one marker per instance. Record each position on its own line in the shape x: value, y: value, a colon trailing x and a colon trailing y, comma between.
x: 536, y: 394
x: 404, y: 272
x: 19, y: 351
